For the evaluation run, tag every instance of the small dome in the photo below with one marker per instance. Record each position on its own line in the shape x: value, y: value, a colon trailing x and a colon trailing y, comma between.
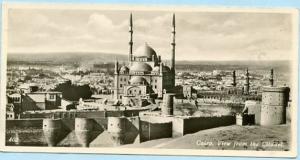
x: 124, y: 69
x: 145, y: 51
x: 141, y: 67
x: 166, y: 69
x: 137, y: 80
x: 156, y: 69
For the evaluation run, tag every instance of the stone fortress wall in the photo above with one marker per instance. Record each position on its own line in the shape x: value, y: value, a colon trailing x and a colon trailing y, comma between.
x: 105, y: 132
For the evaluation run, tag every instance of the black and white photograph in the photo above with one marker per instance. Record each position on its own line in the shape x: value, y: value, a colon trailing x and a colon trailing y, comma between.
x: 149, y: 80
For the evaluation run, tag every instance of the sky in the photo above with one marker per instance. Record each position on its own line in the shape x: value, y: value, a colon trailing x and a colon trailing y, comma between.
x: 199, y: 35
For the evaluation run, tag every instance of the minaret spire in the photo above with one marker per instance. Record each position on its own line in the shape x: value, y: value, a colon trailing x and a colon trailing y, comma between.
x: 173, y: 48
x: 116, y: 80
x: 272, y: 77
x: 247, y: 85
x: 130, y: 41
x: 116, y: 66
x: 247, y: 76
x: 234, y: 78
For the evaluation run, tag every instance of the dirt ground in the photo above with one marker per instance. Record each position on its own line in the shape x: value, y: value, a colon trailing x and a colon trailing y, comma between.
x: 228, y: 138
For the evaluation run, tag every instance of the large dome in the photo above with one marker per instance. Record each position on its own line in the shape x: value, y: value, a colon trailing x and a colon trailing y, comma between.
x: 137, y: 80
x: 141, y: 67
x: 145, y: 51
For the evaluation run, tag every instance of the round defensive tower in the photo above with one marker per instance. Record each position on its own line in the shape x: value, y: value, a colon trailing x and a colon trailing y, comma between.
x: 168, y: 104
x: 52, y: 131
x: 116, y: 128
x: 83, y: 129
x: 274, y: 103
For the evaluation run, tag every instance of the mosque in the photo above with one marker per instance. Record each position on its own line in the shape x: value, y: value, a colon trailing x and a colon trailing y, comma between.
x: 145, y: 77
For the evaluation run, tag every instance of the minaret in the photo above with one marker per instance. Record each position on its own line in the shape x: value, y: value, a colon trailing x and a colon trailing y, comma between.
x: 116, y: 80
x: 161, y: 68
x: 247, y: 84
x: 130, y: 41
x: 116, y: 66
x: 173, y: 50
x: 271, y: 77
x: 234, y: 79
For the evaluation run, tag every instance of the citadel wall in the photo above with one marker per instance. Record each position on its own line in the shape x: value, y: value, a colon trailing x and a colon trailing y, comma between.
x: 186, y: 125
x: 105, y: 132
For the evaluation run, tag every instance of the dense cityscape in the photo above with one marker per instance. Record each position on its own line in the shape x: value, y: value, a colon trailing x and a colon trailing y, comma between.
x: 99, y: 79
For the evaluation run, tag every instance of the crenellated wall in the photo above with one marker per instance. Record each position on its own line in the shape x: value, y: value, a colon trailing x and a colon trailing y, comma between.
x: 81, y: 114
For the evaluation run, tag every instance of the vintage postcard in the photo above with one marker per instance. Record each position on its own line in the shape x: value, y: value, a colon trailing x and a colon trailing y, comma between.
x: 161, y: 80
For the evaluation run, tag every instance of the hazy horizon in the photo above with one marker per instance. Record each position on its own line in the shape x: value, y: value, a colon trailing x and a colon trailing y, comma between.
x: 220, y: 36
x: 105, y: 57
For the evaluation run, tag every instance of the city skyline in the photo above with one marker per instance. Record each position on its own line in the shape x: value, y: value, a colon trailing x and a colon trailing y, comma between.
x: 201, y: 35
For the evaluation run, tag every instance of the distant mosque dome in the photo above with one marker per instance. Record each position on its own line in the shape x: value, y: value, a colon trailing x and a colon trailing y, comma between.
x: 156, y: 69
x: 145, y: 51
x: 166, y: 69
x: 141, y: 67
x: 137, y: 80
x: 124, y: 69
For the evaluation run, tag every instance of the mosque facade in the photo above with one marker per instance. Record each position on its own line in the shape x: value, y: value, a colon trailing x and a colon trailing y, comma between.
x: 145, y: 77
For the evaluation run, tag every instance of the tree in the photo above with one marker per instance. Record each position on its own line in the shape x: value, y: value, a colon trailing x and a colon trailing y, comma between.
x: 73, y: 92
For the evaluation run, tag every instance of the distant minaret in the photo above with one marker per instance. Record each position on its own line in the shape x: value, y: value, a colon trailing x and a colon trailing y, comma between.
x: 116, y: 67
x: 247, y: 84
x: 173, y: 50
x: 161, y: 68
x: 271, y: 77
x: 116, y: 81
x: 234, y: 79
x: 130, y: 41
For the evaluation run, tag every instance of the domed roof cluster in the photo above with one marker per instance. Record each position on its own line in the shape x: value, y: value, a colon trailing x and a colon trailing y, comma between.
x: 137, y: 80
x: 124, y: 69
x: 145, y: 51
x: 141, y: 67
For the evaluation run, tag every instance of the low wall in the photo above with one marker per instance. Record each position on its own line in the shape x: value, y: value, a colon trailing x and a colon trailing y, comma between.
x: 25, y: 132
x: 245, y: 119
x: 151, y: 131
x: 186, y: 125
x: 24, y: 123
